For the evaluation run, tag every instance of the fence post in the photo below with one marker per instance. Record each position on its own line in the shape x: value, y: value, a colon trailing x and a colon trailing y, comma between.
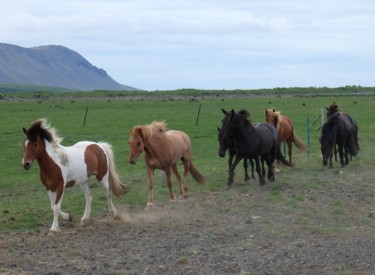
x: 84, y: 120
x: 199, y: 111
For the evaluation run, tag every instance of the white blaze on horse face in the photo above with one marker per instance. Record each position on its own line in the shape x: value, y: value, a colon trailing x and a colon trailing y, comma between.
x: 28, y: 158
x: 24, y: 152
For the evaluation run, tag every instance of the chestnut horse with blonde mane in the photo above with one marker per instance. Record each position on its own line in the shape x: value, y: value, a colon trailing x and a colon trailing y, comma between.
x: 62, y: 167
x: 163, y: 149
x: 285, y: 132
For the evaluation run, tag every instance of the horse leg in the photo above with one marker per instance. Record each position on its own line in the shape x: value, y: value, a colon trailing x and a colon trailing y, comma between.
x: 186, y: 176
x: 289, y: 143
x: 150, y: 175
x: 252, y: 169
x: 245, y: 165
x: 263, y: 170
x: 108, y: 194
x: 88, y: 196
x: 271, y: 175
x: 178, y: 177
x: 56, y: 209
x: 237, y: 159
x: 170, y: 185
x: 257, y: 168
x: 341, y: 155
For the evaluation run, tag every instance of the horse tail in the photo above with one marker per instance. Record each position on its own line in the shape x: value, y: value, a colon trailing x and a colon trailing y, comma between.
x: 115, y: 184
x: 297, y: 141
x: 197, y: 176
x: 281, y: 158
x: 352, y: 145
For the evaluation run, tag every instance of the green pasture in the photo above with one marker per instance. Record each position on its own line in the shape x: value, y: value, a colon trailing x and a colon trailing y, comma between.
x: 24, y: 204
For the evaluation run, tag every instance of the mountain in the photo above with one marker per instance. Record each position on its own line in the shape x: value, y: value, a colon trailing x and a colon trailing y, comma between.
x: 54, y: 66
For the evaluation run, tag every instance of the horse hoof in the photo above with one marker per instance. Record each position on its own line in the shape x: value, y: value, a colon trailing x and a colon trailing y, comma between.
x: 53, y: 231
x: 70, y: 218
x: 149, y: 206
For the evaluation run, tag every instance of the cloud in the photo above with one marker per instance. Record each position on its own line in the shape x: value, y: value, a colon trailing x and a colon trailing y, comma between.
x: 205, y: 44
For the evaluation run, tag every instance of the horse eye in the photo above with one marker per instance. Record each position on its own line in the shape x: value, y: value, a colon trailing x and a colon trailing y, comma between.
x: 138, y: 144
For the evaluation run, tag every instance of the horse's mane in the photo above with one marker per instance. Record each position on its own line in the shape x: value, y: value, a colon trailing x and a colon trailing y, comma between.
x: 277, y: 117
x: 146, y: 131
x: 246, y: 115
x: 158, y: 126
x: 42, y: 129
x: 332, y: 109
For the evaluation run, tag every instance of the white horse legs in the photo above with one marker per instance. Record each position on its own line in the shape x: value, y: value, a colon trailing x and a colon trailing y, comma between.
x: 88, y: 196
x: 56, y: 209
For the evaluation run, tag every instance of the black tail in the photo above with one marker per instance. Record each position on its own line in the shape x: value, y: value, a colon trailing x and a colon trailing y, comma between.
x: 352, y: 146
x: 281, y: 158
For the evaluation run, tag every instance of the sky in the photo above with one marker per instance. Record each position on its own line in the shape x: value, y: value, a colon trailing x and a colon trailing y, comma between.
x: 206, y: 44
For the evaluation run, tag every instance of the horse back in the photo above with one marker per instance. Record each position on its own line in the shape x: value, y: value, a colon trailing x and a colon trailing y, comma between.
x: 178, y: 143
x: 267, y: 134
x: 85, y: 159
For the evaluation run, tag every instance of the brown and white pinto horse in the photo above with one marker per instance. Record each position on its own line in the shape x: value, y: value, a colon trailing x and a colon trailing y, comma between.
x: 62, y: 167
x: 285, y: 132
x: 163, y: 149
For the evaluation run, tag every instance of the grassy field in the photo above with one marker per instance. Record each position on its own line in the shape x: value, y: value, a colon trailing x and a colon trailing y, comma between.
x: 24, y: 204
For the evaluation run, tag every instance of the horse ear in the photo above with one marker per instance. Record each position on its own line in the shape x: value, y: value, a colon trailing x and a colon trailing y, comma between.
x: 327, y: 108
x: 274, y: 110
x: 24, y: 130
x: 232, y: 113
x: 224, y: 112
x: 218, y: 129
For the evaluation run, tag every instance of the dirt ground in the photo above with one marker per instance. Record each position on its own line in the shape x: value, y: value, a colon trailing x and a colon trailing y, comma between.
x: 208, y: 233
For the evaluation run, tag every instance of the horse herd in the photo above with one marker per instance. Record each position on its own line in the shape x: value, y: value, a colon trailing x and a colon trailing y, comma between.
x: 258, y: 144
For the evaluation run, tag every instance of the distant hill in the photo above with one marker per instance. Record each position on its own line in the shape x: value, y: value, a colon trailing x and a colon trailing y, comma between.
x: 53, y: 66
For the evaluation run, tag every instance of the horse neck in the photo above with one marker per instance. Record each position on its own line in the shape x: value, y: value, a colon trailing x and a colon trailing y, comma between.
x: 330, y: 134
x: 151, y: 148
x: 242, y: 130
x: 50, y: 153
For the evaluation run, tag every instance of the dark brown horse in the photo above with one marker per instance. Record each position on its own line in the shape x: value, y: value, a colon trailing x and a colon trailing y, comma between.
x: 163, y: 150
x: 285, y: 131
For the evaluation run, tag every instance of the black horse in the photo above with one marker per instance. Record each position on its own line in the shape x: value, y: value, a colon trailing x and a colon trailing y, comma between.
x: 332, y: 110
x: 341, y: 130
x: 256, y: 143
x: 228, y: 145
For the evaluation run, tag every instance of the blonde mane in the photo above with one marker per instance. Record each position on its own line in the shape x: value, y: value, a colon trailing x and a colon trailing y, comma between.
x: 158, y: 126
x: 146, y: 131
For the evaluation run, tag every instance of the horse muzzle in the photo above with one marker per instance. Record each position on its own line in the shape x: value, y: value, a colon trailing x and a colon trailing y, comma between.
x: 133, y: 161
x: 221, y: 153
x: 27, y: 165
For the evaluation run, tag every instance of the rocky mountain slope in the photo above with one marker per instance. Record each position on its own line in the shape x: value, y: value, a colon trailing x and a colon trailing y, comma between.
x: 54, y: 66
